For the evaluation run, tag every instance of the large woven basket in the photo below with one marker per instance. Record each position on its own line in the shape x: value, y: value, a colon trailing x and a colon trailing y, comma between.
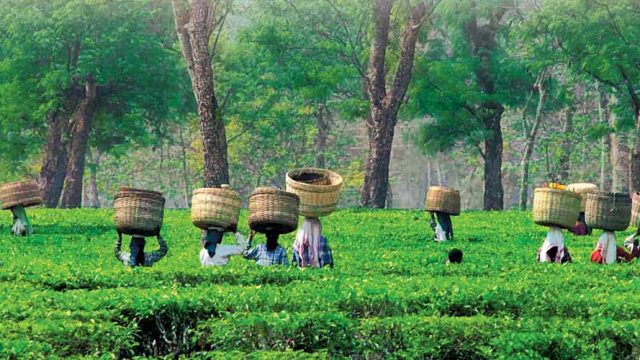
x: 24, y: 193
x: 215, y: 207
x: 635, y: 210
x: 138, y: 212
x: 443, y: 199
x: 583, y: 189
x: 608, y: 211
x: 318, y: 189
x: 554, y: 207
x: 273, y: 210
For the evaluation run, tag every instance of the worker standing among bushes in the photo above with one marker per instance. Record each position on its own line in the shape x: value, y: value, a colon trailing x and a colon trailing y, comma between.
x: 610, y: 212
x: 319, y: 192
x: 137, y: 255
x: 269, y: 253
x: 556, y: 207
x: 442, y: 202
x: 214, y: 253
x: 16, y: 196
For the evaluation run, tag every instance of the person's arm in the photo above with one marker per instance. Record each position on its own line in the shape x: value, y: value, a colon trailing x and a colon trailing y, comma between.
x: 251, y: 254
x: 155, y: 256
x: 121, y: 255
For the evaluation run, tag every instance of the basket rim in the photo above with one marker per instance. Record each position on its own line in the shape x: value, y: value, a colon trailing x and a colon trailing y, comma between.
x: 19, y: 182
x: 266, y: 190
x: 604, y: 194
x: 442, y: 188
x: 558, y: 191
x: 139, y: 193
x: 214, y: 190
x: 299, y: 185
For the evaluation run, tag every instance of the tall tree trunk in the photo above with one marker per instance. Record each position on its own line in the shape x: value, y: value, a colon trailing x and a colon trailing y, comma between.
x: 620, y: 155
x: 605, y: 153
x: 83, y: 121
x: 567, y: 144
x: 195, y: 22
x: 185, y: 169
x: 54, y: 160
x: 385, y: 102
x: 322, y: 126
x: 482, y: 42
x: 532, y: 134
x: 93, y: 199
x: 634, y: 165
x: 493, y: 190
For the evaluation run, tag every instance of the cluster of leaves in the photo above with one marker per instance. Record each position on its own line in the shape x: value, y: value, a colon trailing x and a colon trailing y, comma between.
x: 63, y: 294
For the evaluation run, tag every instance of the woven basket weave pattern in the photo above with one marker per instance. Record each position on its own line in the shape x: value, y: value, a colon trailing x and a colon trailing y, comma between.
x: 24, y: 193
x: 583, y: 189
x: 215, y: 207
x: 138, y: 212
x: 608, y: 211
x: 273, y: 210
x: 553, y: 207
x: 443, y: 199
x: 635, y: 210
x: 317, y: 197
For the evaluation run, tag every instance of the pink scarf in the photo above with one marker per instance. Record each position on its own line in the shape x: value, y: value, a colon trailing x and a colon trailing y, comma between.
x: 309, y: 238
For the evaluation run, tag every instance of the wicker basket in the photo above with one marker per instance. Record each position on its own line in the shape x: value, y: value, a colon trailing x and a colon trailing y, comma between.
x: 273, y: 210
x: 24, y: 193
x: 443, y: 199
x: 554, y: 207
x: 608, y: 211
x: 635, y: 210
x: 138, y: 212
x: 215, y: 207
x: 318, y: 189
x: 583, y: 189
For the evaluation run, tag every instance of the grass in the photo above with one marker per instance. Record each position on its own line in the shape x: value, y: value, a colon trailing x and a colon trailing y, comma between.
x: 63, y: 294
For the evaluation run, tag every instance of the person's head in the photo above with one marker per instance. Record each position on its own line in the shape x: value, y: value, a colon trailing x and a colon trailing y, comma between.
x: 137, y: 250
x: 455, y: 256
x: 272, y: 240
x: 212, y: 238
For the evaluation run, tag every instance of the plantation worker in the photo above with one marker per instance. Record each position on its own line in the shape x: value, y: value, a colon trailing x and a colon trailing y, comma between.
x: 21, y: 224
x: 269, y: 253
x: 631, y: 242
x: 553, y: 249
x: 213, y: 253
x: 311, y: 249
x: 606, y: 251
x: 581, y: 228
x: 443, y: 228
x: 137, y: 256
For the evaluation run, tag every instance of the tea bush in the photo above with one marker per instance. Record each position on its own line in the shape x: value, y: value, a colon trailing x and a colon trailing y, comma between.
x: 63, y: 294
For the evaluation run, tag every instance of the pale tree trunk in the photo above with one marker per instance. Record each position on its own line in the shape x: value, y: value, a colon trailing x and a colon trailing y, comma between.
x: 195, y: 22
x: 322, y: 126
x: 567, y: 144
x: 83, y: 121
x: 634, y: 166
x: 605, y: 153
x: 92, y: 185
x: 185, y: 169
x: 532, y: 134
x: 54, y: 159
x: 385, y: 102
x: 620, y: 155
x: 482, y: 42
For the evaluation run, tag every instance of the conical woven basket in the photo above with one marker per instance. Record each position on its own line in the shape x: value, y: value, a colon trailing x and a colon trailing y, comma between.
x: 608, y: 211
x: 583, y: 189
x: 554, y: 207
x: 443, y: 199
x: 318, y: 189
x: 138, y: 212
x: 635, y: 209
x: 215, y: 207
x: 24, y: 193
x: 273, y: 210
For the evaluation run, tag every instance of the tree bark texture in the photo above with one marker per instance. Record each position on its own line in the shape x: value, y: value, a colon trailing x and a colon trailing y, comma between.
x: 567, y: 145
x: 482, y: 42
x: 385, y: 102
x: 605, y: 154
x: 322, y: 126
x: 620, y: 156
x: 83, y: 121
x: 195, y: 22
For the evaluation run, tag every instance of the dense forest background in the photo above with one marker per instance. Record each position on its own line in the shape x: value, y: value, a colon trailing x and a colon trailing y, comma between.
x: 490, y: 96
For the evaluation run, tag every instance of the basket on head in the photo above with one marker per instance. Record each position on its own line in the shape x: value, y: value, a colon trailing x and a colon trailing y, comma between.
x: 554, y: 207
x: 138, y: 212
x: 273, y: 210
x: 318, y: 189
x: 215, y: 207
x: 443, y: 199
x: 608, y: 211
x: 20, y: 193
x: 635, y: 209
x: 583, y: 189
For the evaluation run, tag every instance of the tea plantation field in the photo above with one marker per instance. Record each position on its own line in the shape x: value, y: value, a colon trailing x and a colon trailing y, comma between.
x: 63, y: 294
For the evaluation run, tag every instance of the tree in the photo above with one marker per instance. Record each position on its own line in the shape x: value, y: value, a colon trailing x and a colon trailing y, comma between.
x: 195, y: 22
x: 385, y: 101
